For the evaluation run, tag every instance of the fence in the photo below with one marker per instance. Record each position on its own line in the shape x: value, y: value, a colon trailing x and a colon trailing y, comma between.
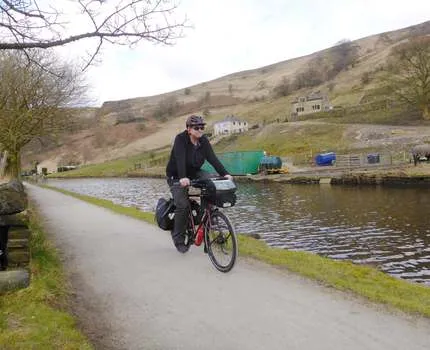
x: 351, y: 160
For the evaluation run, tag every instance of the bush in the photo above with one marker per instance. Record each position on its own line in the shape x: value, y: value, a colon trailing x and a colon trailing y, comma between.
x: 283, y: 88
x: 365, y: 78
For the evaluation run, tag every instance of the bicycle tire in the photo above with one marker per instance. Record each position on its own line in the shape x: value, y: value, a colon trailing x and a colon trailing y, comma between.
x: 221, y: 241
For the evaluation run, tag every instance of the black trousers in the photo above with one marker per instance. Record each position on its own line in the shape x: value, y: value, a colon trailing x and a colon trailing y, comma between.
x: 180, y: 198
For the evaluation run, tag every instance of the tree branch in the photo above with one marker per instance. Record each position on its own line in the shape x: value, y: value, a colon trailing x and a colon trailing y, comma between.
x: 27, y: 26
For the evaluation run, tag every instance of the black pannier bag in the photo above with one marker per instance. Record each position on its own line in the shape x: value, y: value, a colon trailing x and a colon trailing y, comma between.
x: 221, y: 193
x: 164, y: 213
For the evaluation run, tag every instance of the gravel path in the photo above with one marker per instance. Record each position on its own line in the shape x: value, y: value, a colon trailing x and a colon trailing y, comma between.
x: 134, y: 291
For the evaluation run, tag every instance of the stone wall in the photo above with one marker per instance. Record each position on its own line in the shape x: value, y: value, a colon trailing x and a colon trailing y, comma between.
x: 14, y: 238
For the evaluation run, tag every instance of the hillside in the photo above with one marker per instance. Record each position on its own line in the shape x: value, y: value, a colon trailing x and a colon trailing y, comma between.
x: 129, y: 127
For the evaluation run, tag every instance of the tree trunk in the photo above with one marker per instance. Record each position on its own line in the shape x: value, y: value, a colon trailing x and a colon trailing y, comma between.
x: 13, y: 168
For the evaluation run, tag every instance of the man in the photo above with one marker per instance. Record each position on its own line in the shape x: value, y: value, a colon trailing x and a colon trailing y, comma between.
x: 190, y: 150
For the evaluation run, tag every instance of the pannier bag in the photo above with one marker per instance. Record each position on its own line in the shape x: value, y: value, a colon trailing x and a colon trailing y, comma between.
x: 221, y: 193
x: 164, y: 213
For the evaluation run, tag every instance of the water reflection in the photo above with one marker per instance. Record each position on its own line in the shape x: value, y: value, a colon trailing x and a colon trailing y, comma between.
x: 382, y: 226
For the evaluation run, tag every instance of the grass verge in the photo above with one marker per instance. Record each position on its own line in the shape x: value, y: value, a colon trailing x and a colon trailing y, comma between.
x: 37, y: 317
x: 361, y: 280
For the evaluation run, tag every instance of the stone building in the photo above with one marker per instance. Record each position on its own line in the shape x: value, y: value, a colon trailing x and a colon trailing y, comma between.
x: 312, y: 103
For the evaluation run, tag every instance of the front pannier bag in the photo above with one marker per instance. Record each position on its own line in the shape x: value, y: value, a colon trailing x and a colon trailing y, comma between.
x: 164, y: 212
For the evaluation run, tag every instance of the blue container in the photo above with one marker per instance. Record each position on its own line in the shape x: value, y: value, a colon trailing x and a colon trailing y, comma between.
x: 270, y: 162
x: 373, y: 158
x: 325, y: 158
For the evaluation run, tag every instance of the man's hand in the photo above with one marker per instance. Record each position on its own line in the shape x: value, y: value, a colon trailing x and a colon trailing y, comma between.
x: 185, y: 181
x: 228, y: 177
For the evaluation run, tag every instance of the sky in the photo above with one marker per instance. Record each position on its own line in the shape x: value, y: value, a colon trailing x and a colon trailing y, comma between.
x: 228, y: 36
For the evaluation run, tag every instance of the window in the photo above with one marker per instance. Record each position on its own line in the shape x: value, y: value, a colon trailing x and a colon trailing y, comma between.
x: 300, y: 109
x: 301, y: 99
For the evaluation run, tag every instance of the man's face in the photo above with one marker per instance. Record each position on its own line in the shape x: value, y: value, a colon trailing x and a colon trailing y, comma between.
x: 196, y: 130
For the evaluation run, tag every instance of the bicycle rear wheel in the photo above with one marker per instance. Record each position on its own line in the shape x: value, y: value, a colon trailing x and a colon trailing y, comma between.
x: 221, y: 242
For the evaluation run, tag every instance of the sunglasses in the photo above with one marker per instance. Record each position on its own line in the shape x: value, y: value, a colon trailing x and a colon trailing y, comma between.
x: 197, y: 127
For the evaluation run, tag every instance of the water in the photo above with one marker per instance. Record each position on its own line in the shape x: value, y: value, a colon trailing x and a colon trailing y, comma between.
x: 387, y: 227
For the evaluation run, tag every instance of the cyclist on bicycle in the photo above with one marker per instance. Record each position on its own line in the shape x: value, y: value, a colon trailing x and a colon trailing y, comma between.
x: 190, y: 150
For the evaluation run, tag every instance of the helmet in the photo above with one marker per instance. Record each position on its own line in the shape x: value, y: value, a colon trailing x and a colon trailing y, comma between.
x: 194, y: 120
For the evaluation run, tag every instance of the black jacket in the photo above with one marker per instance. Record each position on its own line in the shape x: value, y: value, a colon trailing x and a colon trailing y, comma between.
x: 186, y: 159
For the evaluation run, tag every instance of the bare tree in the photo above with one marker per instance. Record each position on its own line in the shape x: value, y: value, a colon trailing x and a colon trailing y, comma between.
x: 409, y: 73
x: 29, y: 24
x: 33, y: 101
x: 283, y: 88
x: 343, y: 54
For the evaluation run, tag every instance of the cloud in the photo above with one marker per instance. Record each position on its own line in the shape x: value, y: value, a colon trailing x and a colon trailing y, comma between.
x: 230, y: 36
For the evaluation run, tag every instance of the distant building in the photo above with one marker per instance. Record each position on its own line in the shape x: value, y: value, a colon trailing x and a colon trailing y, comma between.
x: 47, y: 167
x: 230, y: 125
x: 312, y: 103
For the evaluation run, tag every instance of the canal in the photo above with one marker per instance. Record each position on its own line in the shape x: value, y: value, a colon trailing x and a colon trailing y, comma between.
x: 387, y: 227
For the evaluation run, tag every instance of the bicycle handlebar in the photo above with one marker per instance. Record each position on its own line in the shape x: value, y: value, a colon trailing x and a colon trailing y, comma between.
x: 199, y: 182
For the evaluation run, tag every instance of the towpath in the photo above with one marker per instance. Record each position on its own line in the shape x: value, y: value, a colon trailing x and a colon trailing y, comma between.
x: 134, y: 291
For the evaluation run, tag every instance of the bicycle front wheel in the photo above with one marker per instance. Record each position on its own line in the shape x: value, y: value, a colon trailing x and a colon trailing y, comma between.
x: 221, y: 242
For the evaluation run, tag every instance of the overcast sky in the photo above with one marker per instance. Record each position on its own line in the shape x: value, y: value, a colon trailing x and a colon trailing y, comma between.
x: 234, y: 35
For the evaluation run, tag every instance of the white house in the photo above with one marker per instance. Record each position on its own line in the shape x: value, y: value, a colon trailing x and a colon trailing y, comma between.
x: 230, y: 125
x: 49, y: 165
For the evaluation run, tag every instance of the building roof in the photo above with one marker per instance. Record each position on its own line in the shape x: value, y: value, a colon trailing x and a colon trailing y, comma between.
x: 228, y: 118
x: 316, y: 95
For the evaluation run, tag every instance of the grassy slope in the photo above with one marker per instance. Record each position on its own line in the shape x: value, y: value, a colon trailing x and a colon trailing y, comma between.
x: 363, y: 281
x: 37, y: 317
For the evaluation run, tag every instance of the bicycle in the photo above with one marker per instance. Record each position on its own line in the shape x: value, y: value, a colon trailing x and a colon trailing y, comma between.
x: 208, y: 224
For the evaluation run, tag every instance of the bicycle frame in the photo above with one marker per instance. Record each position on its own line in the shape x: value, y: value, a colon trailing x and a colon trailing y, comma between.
x: 205, y: 214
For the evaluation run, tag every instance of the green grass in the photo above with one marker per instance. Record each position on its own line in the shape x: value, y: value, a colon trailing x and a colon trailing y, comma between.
x: 37, y: 317
x: 361, y: 280
x: 284, y: 139
x: 119, y: 167
x: 364, y: 281
x: 107, y: 169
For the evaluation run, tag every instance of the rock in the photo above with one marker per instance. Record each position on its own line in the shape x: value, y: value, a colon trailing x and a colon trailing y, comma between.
x: 13, y: 198
x: 14, y: 279
x: 12, y: 221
